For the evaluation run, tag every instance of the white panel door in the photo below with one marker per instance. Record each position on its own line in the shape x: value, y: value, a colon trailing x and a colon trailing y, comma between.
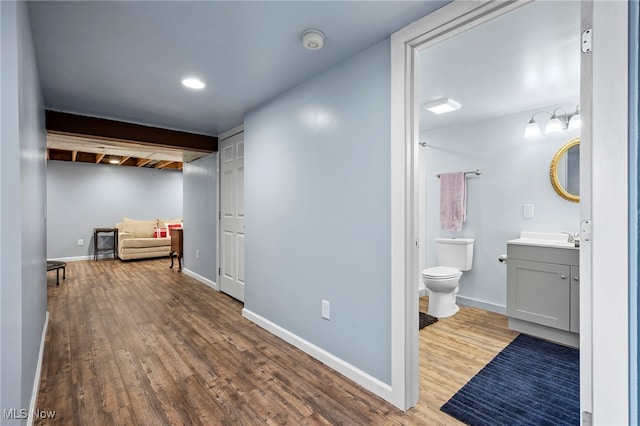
x: 232, y: 216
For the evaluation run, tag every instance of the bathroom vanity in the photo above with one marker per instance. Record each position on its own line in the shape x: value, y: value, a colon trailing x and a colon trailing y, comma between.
x: 543, y: 287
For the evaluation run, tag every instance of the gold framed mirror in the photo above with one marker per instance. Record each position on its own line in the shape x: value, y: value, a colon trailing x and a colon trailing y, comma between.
x: 565, y: 171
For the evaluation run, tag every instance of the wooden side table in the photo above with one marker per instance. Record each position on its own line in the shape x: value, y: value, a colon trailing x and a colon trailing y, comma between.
x: 176, y: 247
x: 114, y: 245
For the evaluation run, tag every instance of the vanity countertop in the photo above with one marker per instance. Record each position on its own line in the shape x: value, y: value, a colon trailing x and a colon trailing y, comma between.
x: 544, y: 239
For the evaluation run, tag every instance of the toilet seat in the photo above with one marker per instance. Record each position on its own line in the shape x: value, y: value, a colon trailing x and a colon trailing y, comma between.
x: 441, y: 272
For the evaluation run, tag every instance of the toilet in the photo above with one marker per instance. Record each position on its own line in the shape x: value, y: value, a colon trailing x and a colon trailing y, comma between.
x: 454, y: 256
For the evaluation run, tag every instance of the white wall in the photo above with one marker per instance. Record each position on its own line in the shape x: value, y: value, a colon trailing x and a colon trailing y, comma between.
x: 515, y: 171
x: 200, y: 217
x: 83, y: 196
x: 23, y: 292
x: 317, y: 200
x: 634, y: 139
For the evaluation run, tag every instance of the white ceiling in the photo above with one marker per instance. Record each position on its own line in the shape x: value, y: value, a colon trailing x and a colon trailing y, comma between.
x: 524, y: 60
x: 125, y: 60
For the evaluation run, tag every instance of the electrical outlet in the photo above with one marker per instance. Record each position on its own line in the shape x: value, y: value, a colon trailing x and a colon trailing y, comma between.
x: 80, y: 242
x: 197, y: 254
x: 527, y: 210
x: 326, y: 309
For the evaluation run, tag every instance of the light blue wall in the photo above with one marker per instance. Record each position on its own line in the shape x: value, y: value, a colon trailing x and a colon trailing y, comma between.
x: 317, y: 197
x: 83, y: 196
x: 200, y: 216
x: 515, y: 171
x: 23, y: 293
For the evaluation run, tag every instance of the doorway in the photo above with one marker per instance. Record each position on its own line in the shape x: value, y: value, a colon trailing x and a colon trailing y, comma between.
x: 495, y: 76
x: 604, y: 108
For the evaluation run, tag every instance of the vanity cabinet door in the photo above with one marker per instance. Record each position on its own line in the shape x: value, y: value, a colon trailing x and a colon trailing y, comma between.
x: 574, y: 321
x: 539, y: 292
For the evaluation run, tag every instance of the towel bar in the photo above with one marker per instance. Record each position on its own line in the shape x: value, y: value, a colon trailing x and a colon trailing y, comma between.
x: 476, y: 172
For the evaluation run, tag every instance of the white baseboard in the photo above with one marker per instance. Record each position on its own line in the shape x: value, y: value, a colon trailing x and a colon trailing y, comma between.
x: 365, y: 380
x: 467, y: 301
x: 422, y: 290
x: 487, y: 306
x: 200, y: 278
x: 36, y: 379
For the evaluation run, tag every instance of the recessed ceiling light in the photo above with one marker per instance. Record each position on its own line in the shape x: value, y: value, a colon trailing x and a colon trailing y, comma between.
x: 114, y: 160
x: 441, y: 106
x: 193, y: 83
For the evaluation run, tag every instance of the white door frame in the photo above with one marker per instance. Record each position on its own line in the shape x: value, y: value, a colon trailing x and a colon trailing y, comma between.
x: 223, y: 136
x: 604, y: 326
x: 608, y: 299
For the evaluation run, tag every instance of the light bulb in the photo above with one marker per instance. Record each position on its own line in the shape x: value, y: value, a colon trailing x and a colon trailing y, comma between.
x: 575, y: 121
x: 532, y: 130
x: 554, y: 125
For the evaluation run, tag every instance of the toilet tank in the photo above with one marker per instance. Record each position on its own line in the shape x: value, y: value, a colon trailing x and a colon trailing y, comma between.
x: 455, y: 252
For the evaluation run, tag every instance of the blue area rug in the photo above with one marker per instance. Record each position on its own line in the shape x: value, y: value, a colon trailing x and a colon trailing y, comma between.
x: 531, y: 382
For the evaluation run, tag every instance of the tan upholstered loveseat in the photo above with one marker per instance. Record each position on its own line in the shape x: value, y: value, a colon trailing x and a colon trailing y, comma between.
x: 136, y: 238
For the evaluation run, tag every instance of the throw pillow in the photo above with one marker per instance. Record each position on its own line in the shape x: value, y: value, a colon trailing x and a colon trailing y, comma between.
x: 160, y: 232
x: 141, y: 228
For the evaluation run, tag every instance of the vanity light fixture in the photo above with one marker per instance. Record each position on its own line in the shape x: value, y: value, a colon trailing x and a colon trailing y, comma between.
x: 557, y: 123
x: 440, y: 106
x: 193, y: 83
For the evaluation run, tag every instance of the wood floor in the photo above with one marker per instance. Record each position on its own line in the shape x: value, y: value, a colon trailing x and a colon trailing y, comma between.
x: 140, y: 344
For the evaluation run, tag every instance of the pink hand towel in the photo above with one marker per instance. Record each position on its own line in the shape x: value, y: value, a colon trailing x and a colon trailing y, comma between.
x: 453, y: 200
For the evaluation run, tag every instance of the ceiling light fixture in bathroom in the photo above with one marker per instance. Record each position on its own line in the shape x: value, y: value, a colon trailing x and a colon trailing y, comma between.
x: 312, y: 39
x: 193, y: 83
x: 114, y: 160
x: 557, y: 123
x: 441, y: 106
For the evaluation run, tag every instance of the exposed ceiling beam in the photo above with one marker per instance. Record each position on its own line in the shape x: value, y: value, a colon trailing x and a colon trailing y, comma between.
x: 74, y: 155
x: 162, y: 164
x: 176, y: 165
x: 47, y: 153
x: 123, y: 160
x: 143, y: 162
x: 99, y: 157
x: 111, y: 129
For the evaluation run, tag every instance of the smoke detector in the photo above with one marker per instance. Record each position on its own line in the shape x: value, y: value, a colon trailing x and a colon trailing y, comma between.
x: 312, y: 39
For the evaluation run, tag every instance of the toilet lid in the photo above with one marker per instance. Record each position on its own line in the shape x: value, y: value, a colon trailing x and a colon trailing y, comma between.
x: 440, y: 272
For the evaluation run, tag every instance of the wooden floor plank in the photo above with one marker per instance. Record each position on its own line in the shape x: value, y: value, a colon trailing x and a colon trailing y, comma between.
x: 136, y: 343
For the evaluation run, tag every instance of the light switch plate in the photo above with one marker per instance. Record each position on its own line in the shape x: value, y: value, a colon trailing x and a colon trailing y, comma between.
x: 527, y: 210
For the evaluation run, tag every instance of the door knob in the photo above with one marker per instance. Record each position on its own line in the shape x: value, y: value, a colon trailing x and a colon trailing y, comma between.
x: 563, y: 277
